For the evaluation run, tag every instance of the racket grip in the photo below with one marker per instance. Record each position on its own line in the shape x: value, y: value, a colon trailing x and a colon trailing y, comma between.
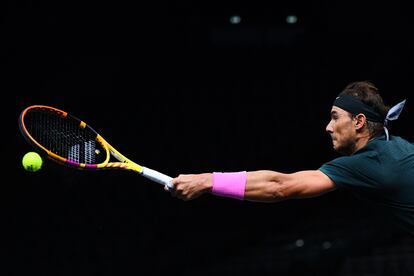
x: 157, y: 177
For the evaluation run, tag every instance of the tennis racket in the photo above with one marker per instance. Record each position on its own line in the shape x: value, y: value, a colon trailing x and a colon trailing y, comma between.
x: 67, y: 140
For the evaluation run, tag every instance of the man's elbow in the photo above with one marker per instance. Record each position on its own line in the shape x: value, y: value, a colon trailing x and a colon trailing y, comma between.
x: 277, y: 191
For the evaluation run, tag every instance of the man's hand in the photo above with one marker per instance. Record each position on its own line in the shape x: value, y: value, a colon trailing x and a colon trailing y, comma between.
x: 191, y: 186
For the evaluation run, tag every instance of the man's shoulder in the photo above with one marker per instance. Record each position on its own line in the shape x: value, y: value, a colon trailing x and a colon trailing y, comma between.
x: 349, y: 160
x: 399, y: 139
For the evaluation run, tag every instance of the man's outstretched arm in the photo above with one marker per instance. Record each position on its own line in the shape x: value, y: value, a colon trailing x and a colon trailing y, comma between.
x: 263, y: 186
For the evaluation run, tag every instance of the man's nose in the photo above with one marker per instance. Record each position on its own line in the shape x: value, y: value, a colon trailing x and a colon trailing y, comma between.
x: 329, y: 128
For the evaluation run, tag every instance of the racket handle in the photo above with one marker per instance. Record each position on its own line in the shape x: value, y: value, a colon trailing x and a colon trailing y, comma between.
x: 157, y: 176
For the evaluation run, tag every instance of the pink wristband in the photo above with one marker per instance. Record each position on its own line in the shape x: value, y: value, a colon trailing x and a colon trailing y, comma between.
x: 229, y: 184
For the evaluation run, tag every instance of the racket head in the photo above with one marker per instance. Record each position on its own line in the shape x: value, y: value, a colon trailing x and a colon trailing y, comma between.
x: 68, y: 140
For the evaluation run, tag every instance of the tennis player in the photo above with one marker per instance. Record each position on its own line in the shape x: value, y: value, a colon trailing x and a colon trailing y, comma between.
x: 374, y: 165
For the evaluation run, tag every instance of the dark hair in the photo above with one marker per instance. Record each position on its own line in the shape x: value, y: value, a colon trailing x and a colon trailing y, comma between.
x: 368, y: 93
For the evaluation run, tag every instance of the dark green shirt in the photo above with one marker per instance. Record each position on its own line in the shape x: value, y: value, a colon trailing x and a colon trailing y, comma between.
x: 381, y: 172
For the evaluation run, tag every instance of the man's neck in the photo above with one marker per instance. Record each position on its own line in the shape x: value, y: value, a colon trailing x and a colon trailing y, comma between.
x: 361, y: 141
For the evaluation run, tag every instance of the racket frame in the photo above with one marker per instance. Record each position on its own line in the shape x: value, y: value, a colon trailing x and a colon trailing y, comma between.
x: 123, y: 164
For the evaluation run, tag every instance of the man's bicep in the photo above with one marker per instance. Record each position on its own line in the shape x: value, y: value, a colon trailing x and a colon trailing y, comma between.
x: 311, y: 184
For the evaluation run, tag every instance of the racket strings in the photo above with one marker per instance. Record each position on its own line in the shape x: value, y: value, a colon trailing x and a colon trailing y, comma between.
x: 64, y: 137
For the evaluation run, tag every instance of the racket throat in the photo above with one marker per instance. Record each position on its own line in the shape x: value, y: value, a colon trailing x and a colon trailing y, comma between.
x: 119, y: 156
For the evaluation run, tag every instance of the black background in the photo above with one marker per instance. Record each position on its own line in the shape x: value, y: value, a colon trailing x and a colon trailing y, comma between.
x: 176, y: 87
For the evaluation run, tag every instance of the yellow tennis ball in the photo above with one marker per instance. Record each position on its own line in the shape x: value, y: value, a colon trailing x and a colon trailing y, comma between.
x: 32, y: 161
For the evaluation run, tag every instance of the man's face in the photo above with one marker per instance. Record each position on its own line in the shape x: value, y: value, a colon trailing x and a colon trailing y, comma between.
x: 342, y: 131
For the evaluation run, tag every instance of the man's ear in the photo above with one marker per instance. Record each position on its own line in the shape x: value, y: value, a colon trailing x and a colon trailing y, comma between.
x: 359, y: 121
